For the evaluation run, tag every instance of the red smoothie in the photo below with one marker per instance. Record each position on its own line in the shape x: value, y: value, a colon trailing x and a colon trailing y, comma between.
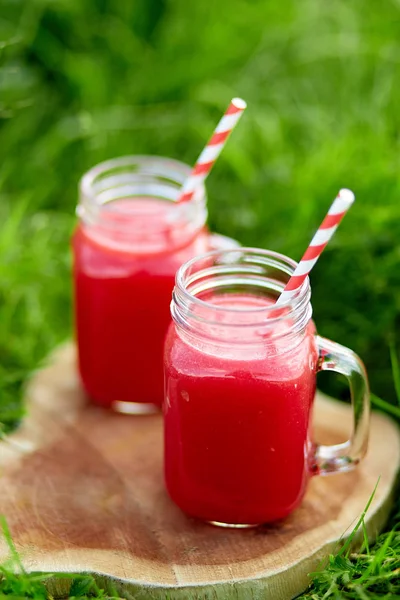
x: 124, y: 269
x: 237, y: 445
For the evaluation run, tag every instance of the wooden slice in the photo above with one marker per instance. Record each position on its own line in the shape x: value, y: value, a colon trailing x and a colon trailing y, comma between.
x: 82, y: 491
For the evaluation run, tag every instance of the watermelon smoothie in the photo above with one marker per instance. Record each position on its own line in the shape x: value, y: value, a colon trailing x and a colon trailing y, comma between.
x: 130, y: 241
x: 240, y: 380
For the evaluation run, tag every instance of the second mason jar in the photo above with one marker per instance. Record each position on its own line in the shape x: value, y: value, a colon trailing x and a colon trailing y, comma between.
x: 131, y: 239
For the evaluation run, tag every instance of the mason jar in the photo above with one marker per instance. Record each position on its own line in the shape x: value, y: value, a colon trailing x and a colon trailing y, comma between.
x: 131, y: 238
x: 240, y: 381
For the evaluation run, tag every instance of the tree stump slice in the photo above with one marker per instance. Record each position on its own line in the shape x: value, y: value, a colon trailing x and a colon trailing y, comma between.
x: 82, y: 491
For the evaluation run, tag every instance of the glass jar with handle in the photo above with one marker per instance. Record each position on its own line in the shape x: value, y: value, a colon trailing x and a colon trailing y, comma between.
x: 240, y: 381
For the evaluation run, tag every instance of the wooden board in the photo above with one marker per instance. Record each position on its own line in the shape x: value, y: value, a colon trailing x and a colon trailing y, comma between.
x: 82, y: 491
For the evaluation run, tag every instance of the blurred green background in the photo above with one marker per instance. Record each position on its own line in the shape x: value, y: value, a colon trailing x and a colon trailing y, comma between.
x: 86, y: 80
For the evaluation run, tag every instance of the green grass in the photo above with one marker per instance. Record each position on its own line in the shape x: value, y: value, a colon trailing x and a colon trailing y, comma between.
x: 82, y: 81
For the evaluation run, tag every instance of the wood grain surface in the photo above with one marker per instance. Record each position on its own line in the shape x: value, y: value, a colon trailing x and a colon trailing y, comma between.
x: 82, y: 491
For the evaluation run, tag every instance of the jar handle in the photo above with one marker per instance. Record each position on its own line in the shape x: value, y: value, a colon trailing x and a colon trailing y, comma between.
x: 344, y: 457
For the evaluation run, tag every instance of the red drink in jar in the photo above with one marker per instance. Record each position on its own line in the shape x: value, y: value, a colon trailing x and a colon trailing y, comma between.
x: 240, y: 384
x: 130, y: 241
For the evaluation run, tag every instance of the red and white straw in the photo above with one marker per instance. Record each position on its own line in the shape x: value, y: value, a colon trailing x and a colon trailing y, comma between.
x: 213, y: 149
x: 339, y: 208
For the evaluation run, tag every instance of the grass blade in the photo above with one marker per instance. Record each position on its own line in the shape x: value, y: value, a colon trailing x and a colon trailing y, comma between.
x: 10, y: 543
x: 345, y: 550
x: 395, y: 370
x: 385, y: 406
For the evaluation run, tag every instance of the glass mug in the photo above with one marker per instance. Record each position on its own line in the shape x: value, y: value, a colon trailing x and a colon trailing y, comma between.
x: 240, y: 380
x: 130, y: 241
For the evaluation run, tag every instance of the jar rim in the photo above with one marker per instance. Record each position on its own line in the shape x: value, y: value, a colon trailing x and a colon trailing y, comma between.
x: 299, y: 296
x: 139, y: 180
x: 180, y: 169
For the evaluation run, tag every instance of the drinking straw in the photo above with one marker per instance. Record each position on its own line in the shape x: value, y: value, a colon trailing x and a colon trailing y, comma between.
x: 213, y: 149
x: 339, y: 208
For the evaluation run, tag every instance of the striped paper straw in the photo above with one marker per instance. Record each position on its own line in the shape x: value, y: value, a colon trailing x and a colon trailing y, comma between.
x: 213, y: 149
x: 339, y: 208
